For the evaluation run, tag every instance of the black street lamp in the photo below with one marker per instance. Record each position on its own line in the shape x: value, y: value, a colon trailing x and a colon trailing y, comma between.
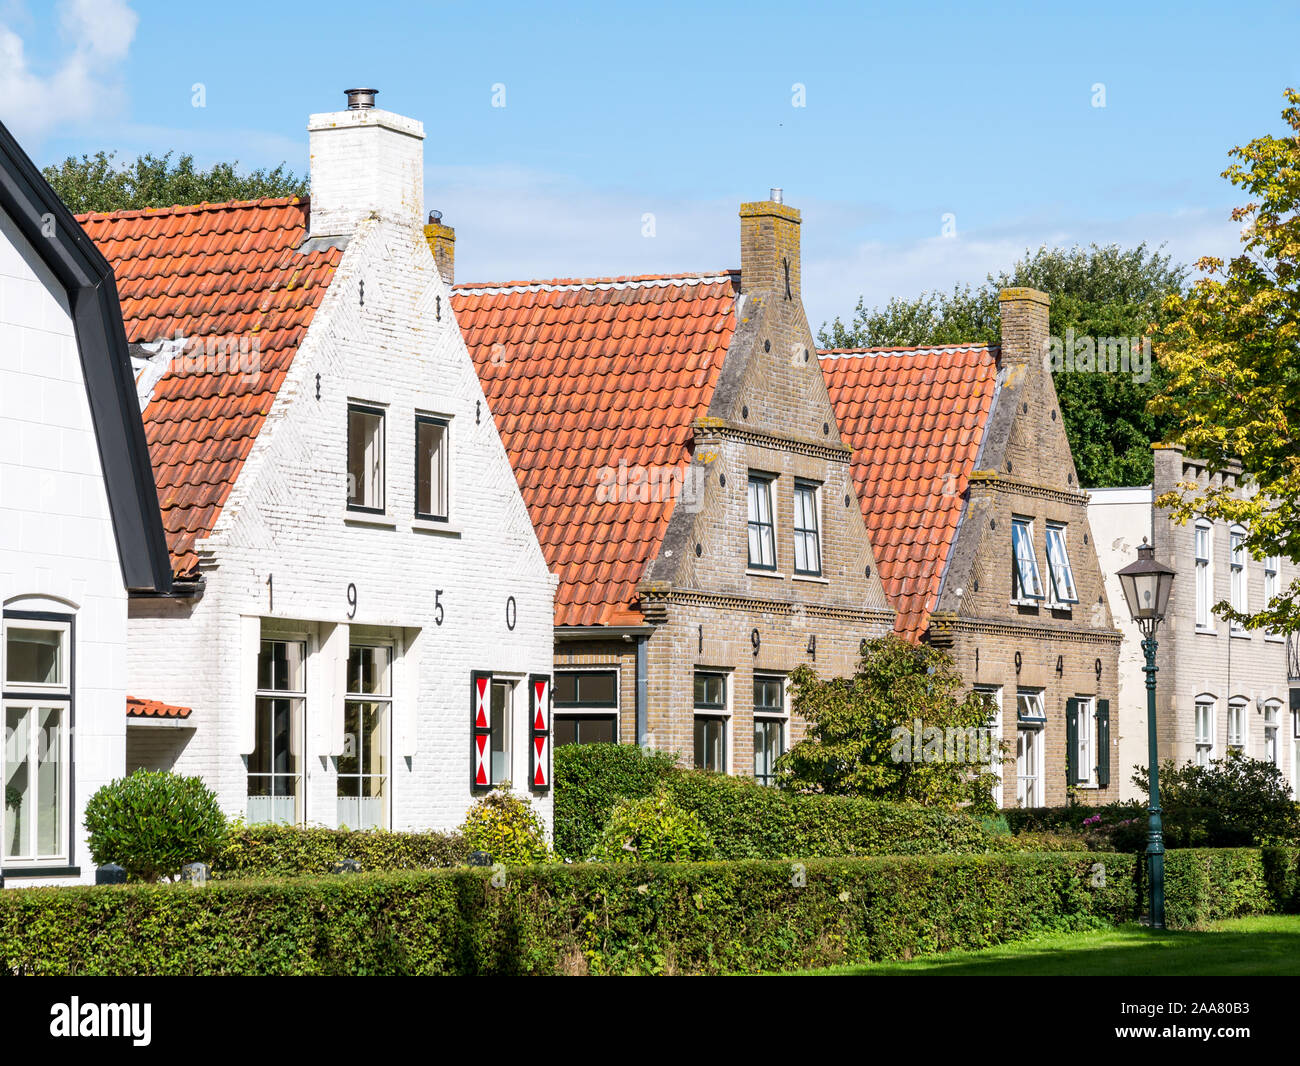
x: 1146, y: 584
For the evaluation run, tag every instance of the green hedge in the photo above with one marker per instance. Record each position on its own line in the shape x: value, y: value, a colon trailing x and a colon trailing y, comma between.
x: 284, y: 851
x: 675, y: 918
x: 747, y: 820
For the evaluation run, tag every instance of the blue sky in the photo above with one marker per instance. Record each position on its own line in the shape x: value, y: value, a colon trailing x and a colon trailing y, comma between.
x: 913, y: 112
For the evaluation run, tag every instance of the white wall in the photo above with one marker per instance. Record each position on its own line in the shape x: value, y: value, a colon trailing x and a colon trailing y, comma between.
x: 57, y: 551
x: 286, y: 519
x: 1120, y: 518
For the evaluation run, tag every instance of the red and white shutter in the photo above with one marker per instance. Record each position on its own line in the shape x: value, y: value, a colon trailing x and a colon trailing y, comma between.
x: 539, y: 715
x: 480, y: 733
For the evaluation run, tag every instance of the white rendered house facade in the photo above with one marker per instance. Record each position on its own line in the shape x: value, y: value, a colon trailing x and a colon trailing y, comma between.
x: 361, y: 628
x: 79, y: 528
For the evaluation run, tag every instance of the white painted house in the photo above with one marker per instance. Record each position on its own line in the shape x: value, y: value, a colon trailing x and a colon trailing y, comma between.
x: 79, y: 527
x: 359, y: 632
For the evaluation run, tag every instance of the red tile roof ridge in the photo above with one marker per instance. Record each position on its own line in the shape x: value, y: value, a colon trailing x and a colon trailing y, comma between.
x: 141, y: 708
x: 181, y: 209
x: 918, y: 349
x: 622, y: 282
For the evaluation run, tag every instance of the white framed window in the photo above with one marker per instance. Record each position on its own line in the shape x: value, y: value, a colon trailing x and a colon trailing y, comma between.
x: 807, y: 529
x: 365, y: 458
x: 1272, y: 585
x: 363, y: 776
x: 1085, y: 750
x: 37, y: 705
x: 275, y: 792
x: 586, y: 707
x: 993, y: 693
x: 1204, y: 576
x: 502, y: 721
x: 762, y: 534
x: 1237, y: 725
x: 770, y: 719
x: 711, y: 720
x: 1031, y: 720
x: 1204, y: 730
x: 432, y: 468
x: 1272, y: 719
x: 1239, y: 574
x: 1026, y: 581
x: 1059, y: 572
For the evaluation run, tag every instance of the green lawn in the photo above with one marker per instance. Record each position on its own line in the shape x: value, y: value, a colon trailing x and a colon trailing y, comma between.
x: 1243, y: 946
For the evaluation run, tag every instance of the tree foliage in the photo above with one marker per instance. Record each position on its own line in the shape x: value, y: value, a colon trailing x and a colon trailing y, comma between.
x: 1231, y: 351
x: 855, y: 725
x: 97, y: 183
x: 1098, y: 291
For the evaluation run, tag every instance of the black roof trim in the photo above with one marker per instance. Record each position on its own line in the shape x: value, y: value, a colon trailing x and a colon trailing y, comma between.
x: 87, y: 279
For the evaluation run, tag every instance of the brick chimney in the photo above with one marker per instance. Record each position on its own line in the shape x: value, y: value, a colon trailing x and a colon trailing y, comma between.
x: 1024, y: 326
x: 769, y: 248
x: 442, y: 243
x: 364, y: 162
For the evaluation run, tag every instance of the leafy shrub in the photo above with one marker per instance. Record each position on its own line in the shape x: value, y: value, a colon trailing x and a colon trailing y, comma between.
x: 746, y: 820
x: 153, y: 823
x: 287, y: 850
x: 590, y: 779
x: 506, y: 827
x: 653, y: 829
x: 719, y: 917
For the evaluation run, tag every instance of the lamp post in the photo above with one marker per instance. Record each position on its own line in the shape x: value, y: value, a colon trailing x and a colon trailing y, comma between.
x: 1146, y: 584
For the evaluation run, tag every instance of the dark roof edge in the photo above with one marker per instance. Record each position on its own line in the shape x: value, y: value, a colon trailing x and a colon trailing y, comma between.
x: 88, y: 282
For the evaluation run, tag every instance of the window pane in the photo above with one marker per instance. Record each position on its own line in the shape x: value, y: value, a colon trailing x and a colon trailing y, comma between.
x: 767, y: 748
x: 365, y: 458
x: 18, y: 799
x: 368, y: 670
x: 585, y: 729
x: 431, y: 468
x: 709, y: 690
x: 49, y: 783
x: 710, y: 744
x: 767, y: 694
x: 502, y: 693
x: 280, y: 666
x: 33, y: 656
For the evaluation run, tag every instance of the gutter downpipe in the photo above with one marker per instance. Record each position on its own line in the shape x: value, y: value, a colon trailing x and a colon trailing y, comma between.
x: 642, y: 737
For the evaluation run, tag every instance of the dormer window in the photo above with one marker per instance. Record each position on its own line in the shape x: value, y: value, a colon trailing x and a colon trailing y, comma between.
x: 365, y: 458
x: 762, y: 536
x: 1026, y: 581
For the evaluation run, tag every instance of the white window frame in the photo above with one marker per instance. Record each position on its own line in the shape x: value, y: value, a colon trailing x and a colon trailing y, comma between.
x: 298, y: 731
x: 1238, y: 717
x: 1085, y: 753
x: 1272, y: 589
x: 723, y: 713
x: 781, y: 718
x: 1059, y: 567
x: 376, y: 463
x: 385, y: 807
x: 33, y: 698
x: 1273, y: 732
x: 1024, y: 564
x: 761, y: 532
x: 1239, y: 574
x: 1203, y: 729
x: 1203, y: 551
x: 1029, y: 756
x: 806, y: 536
x: 994, y: 692
x: 595, y: 710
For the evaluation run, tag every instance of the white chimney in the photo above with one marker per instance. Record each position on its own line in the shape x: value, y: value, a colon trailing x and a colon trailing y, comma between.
x: 365, y: 162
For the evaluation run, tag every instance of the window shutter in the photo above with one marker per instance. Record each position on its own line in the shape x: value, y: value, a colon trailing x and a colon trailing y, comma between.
x: 250, y: 646
x: 480, y: 730
x: 334, y: 650
x: 1072, y: 742
x: 539, y: 715
x: 406, y: 696
x: 1103, y: 743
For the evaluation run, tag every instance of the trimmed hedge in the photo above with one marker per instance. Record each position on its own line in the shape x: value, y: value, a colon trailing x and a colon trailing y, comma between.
x: 670, y: 918
x: 747, y: 820
x: 286, y: 851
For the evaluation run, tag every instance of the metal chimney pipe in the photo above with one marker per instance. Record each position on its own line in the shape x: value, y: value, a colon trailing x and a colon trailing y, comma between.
x: 361, y: 99
x: 776, y: 196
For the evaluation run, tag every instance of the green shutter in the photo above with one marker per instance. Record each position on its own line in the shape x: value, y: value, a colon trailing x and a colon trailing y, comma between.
x: 1103, y: 743
x: 1072, y: 742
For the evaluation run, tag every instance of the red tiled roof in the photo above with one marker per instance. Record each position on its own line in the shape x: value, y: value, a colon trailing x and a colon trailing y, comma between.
x: 584, y: 376
x: 137, y: 708
x: 223, y: 271
x: 915, y: 418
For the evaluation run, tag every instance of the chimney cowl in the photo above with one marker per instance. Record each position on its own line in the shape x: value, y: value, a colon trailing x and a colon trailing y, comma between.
x: 776, y: 196
x: 361, y: 99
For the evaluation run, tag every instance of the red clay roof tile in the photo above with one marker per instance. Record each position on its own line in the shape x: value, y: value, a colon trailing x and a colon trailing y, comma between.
x: 138, y: 708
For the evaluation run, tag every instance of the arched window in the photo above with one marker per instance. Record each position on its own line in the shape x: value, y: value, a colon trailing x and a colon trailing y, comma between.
x: 1238, y: 723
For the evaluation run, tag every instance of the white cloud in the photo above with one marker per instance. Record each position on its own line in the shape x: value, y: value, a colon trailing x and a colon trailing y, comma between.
x: 84, y: 82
